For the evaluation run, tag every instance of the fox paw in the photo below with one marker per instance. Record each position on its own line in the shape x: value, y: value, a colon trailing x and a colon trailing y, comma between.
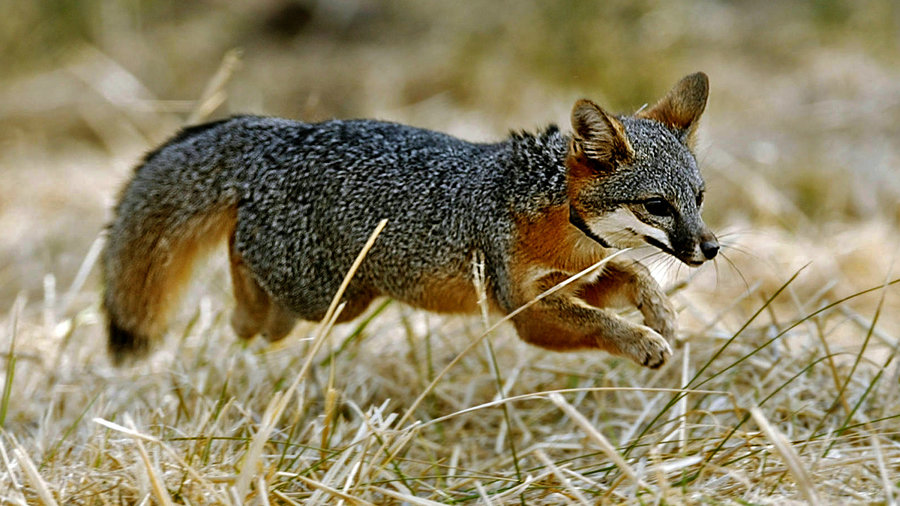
x: 659, y: 315
x: 244, y: 325
x: 650, y: 349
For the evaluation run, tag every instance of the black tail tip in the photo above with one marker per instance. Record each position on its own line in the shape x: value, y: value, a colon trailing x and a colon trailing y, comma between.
x: 125, y: 345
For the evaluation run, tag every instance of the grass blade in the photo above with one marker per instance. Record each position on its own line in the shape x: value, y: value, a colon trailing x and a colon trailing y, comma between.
x: 34, y: 477
x: 790, y: 456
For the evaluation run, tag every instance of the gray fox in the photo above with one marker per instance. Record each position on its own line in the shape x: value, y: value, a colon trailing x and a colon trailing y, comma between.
x: 297, y: 201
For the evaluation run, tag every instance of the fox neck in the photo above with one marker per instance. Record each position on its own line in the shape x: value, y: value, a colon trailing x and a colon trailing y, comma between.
x: 578, y: 222
x: 535, y: 172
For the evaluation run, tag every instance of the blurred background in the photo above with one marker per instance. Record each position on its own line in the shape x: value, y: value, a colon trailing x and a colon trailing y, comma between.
x: 799, y: 143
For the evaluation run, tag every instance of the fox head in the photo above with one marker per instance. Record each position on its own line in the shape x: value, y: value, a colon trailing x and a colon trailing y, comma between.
x: 633, y: 180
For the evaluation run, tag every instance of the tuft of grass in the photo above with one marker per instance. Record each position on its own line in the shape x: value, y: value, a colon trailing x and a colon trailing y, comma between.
x: 10, y: 358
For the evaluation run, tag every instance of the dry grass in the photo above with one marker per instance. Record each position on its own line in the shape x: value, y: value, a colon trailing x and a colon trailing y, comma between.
x: 783, y: 387
x: 208, y: 421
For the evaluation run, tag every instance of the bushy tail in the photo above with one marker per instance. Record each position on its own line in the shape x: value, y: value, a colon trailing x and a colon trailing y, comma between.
x: 168, y: 214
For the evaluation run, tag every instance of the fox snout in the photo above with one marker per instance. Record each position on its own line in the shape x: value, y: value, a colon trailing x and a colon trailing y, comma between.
x: 709, y: 245
x: 704, y: 246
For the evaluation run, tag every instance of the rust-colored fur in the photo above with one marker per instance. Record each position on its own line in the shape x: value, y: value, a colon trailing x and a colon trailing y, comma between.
x: 448, y: 295
x: 150, y: 273
x: 552, y: 242
x: 549, y: 250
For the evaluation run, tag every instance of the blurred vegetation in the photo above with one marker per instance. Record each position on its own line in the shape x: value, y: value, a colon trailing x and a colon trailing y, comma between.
x: 629, y: 50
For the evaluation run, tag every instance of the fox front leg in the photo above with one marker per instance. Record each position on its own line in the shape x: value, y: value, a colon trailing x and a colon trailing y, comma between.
x: 562, y: 321
x: 633, y: 282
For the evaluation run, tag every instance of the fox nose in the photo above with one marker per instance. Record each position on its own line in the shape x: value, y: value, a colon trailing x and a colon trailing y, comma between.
x: 709, y: 248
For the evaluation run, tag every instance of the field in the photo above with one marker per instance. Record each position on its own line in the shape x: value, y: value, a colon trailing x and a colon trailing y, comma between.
x: 783, y: 387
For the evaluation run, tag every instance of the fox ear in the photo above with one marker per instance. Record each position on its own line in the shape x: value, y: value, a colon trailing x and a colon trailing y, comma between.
x: 682, y: 106
x: 599, y: 135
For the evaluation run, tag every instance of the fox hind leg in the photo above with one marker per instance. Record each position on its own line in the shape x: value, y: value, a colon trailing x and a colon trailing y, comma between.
x: 255, y: 312
x: 279, y: 323
x: 252, y: 302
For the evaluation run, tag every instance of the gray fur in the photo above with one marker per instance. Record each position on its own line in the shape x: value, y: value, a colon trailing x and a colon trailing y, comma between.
x: 309, y: 195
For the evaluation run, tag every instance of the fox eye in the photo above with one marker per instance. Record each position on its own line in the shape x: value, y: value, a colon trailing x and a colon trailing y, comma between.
x: 658, y: 207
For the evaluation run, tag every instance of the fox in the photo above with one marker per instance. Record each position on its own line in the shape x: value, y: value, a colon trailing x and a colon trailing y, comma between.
x: 297, y: 201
